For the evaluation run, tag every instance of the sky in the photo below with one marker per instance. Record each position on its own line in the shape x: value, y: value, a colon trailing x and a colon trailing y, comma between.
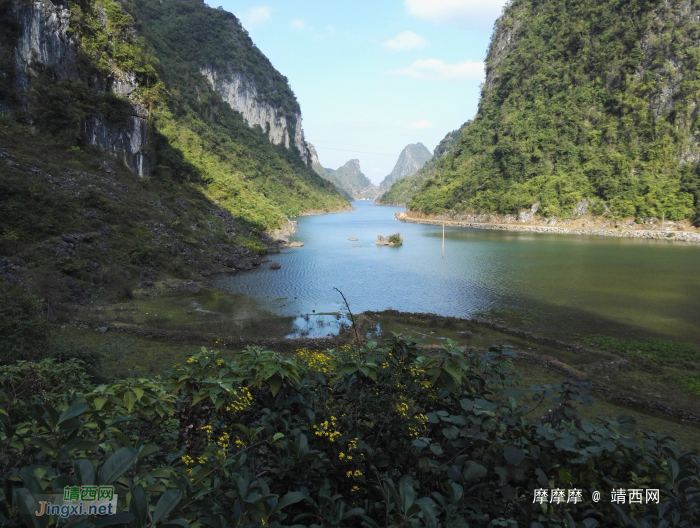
x: 373, y: 76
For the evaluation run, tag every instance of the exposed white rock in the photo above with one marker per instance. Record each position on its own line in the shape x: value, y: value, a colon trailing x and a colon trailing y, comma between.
x: 45, y: 40
x: 242, y: 95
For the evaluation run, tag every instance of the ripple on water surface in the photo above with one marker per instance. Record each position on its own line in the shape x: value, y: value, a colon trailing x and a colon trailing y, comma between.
x: 556, y: 284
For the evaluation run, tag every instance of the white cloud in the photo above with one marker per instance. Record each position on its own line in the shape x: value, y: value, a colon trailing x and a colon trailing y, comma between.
x: 406, y: 40
x: 256, y: 15
x: 436, y: 69
x: 298, y: 23
x: 462, y: 12
x: 421, y: 124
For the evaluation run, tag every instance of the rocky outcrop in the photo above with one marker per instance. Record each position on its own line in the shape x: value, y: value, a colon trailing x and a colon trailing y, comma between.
x: 242, y: 95
x: 315, y: 162
x: 46, y: 41
x: 391, y: 240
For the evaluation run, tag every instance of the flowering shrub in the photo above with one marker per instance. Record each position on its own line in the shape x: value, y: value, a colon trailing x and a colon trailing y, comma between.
x: 357, y: 436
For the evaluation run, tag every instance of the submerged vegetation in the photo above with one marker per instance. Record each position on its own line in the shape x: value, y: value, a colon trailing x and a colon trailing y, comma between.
x: 377, y: 435
x: 587, y: 100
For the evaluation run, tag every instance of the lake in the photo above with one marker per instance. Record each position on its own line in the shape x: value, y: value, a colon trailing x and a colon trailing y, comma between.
x: 556, y: 285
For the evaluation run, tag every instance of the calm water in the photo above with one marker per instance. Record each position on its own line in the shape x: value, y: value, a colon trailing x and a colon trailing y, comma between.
x: 552, y: 284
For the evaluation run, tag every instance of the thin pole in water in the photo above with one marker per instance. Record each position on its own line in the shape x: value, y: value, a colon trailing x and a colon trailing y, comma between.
x: 443, y: 240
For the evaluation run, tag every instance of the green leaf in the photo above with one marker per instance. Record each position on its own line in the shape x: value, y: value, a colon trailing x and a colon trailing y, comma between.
x: 474, y: 471
x: 627, y: 423
x: 168, y: 501
x: 450, y: 432
x: 73, y: 411
x: 436, y: 449
x: 139, y: 505
x: 147, y: 450
x: 290, y: 498
x: 277, y: 436
x: 28, y: 505
x: 100, y: 402
x: 121, y: 517
x: 84, y: 472
x: 275, y: 384
x: 138, y: 391
x: 406, y: 492
x: 117, y: 465
x: 129, y: 400
x: 514, y: 455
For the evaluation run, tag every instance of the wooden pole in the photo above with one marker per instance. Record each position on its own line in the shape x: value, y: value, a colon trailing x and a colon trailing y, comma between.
x: 443, y: 240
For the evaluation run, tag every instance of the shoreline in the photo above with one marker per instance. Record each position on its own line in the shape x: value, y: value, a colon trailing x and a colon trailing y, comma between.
x: 679, y: 236
x: 289, y: 345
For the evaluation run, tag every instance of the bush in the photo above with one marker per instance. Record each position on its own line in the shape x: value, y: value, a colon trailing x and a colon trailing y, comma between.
x: 370, y: 436
x: 395, y: 239
x: 24, y: 330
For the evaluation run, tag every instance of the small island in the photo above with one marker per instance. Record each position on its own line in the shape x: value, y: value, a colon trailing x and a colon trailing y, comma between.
x: 391, y: 240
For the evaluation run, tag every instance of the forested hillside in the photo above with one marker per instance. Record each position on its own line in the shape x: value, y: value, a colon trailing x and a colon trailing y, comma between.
x: 141, y: 140
x: 591, y: 100
x: 147, y: 82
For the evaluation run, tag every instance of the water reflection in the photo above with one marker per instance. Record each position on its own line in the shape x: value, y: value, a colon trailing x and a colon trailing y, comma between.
x: 553, y: 284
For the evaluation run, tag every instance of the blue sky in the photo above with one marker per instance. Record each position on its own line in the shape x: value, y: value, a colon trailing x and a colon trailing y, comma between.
x: 374, y: 76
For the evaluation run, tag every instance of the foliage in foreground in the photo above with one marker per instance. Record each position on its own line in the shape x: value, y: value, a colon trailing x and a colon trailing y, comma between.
x: 370, y: 436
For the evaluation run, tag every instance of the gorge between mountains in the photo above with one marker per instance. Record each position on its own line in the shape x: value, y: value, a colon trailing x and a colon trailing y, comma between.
x: 198, y: 313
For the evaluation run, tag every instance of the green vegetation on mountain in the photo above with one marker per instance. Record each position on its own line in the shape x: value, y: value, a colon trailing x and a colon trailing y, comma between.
x: 194, y: 135
x: 588, y: 99
x: 411, y: 159
x: 371, y: 435
x: 402, y: 190
x: 242, y: 169
x: 350, y: 180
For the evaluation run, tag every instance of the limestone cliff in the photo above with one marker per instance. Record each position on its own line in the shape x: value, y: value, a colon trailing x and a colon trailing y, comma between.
x: 45, y: 42
x: 241, y: 93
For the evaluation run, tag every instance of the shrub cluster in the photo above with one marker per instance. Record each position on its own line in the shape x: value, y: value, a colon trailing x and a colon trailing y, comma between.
x: 358, y: 436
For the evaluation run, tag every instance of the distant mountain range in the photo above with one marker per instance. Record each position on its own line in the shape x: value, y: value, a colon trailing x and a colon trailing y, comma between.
x: 350, y: 180
x: 354, y: 185
x: 412, y: 158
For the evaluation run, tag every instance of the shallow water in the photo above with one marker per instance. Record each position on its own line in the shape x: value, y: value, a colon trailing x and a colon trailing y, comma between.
x: 551, y: 284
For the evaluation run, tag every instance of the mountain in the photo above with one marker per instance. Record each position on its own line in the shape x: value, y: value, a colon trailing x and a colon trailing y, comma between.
x: 588, y: 105
x: 412, y: 158
x: 158, y: 137
x: 349, y: 179
x: 402, y: 190
x: 322, y: 172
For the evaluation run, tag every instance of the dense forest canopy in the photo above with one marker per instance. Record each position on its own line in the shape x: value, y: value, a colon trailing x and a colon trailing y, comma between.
x: 593, y: 99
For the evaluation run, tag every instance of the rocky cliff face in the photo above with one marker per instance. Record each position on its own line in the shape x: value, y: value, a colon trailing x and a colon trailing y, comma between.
x: 315, y: 162
x: 412, y: 158
x: 45, y: 41
x: 241, y: 93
